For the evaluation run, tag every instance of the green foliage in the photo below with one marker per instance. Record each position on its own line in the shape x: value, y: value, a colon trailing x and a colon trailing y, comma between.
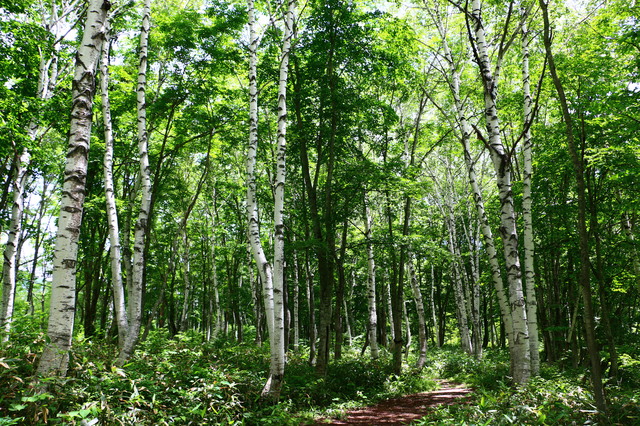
x: 555, y: 397
x: 185, y: 380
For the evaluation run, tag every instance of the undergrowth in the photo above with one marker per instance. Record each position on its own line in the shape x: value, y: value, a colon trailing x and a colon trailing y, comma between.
x: 183, y: 380
x: 554, y: 398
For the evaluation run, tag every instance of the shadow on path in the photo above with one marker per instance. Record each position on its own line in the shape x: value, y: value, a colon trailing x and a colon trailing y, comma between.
x: 403, y: 410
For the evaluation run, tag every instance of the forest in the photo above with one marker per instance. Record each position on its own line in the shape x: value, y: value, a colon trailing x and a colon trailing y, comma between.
x: 281, y: 211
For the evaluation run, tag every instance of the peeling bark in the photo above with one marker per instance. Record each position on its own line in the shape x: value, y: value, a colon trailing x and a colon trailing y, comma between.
x: 55, y: 358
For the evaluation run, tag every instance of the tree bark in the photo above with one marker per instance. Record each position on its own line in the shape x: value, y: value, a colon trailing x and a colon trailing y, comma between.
x: 112, y: 213
x: 371, y: 283
x: 519, y: 338
x: 277, y: 334
x: 142, y: 223
x: 17, y: 176
x: 583, y: 236
x: 340, y: 296
x: 9, y: 268
x: 55, y: 358
x: 295, y: 320
x: 476, y: 192
x: 529, y: 246
x: 422, y: 324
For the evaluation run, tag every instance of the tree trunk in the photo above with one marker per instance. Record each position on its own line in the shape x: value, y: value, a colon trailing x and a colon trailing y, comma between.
x: 256, y: 286
x: 272, y: 280
x: 311, y: 306
x: 396, y: 301
x: 473, y: 293
x: 10, y: 268
x: 340, y: 299
x: 142, y: 223
x: 434, y: 317
x: 529, y: 246
x: 217, y: 330
x: 186, y: 273
x: 36, y: 247
x: 55, y: 358
x: 17, y: 176
x: 112, y: 213
x: 371, y: 283
x: 465, y: 136
x: 585, y: 274
x: 602, y: 284
x: 277, y: 335
x: 295, y: 323
x: 457, y: 267
x: 519, y: 338
x: 635, y: 259
x: 422, y: 324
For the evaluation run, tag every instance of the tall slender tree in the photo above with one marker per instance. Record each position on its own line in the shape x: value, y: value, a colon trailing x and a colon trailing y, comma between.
x: 527, y: 231
x: 135, y: 301
x: 583, y: 235
x: 55, y: 358
x: 502, y: 162
x: 109, y: 190
x: 9, y: 267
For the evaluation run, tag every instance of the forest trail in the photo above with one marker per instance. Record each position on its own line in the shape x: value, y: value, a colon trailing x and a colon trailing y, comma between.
x: 403, y: 410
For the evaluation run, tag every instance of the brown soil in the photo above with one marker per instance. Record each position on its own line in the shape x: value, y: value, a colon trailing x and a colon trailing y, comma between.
x: 403, y: 410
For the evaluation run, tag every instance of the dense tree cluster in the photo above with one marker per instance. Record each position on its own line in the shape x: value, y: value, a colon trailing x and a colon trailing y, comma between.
x: 456, y: 171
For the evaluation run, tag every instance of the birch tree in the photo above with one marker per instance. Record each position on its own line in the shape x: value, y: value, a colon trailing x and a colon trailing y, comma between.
x: 465, y: 134
x: 278, y: 340
x: 109, y: 190
x: 55, y: 358
x: 529, y: 247
x: 264, y: 267
x: 501, y: 158
x: 141, y: 225
x: 54, y: 19
x: 9, y: 268
x: 422, y: 323
x: 272, y: 278
x: 372, y: 324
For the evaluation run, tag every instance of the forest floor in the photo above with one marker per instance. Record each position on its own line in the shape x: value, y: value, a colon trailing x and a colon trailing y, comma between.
x: 403, y: 410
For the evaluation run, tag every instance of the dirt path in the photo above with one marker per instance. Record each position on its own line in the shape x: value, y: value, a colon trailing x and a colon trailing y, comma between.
x: 403, y: 410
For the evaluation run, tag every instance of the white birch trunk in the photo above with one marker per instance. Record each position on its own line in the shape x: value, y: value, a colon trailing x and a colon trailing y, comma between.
x: 256, y: 292
x: 519, y: 339
x: 466, y: 132
x: 137, y: 273
x: 264, y: 268
x: 387, y: 293
x: 47, y: 81
x: 186, y: 271
x: 347, y: 322
x: 112, y: 212
x: 295, y: 323
x: 9, y: 268
x: 461, y: 303
x: 371, y: 284
x: 217, y: 329
x: 457, y: 268
x: 434, y: 317
x: 422, y: 324
x: 271, y: 389
x: 55, y: 358
x: 474, y: 290
x: 407, y: 324
x: 529, y: 246
x: 313, y: 332
x: 277, y: 339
